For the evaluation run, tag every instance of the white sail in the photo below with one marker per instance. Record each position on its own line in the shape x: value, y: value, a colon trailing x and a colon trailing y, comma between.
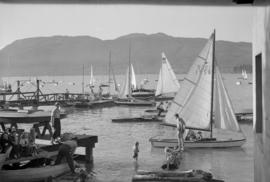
x: 224, y: 113
x: 244, y: 74
x: 167, y: 81
x: 116, y: 87
x: 92, y: 79
x: 193, y: 100
x: 133, y: 78
x: 125, y: 89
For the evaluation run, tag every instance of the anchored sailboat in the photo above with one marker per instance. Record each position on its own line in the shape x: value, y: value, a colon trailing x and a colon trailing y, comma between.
x: 194, y: 102
x: 125, y: 97
x: 168, y: 84
x: 92, y: 79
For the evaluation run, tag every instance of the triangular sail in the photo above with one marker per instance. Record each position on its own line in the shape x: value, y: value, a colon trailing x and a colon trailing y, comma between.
x: 193, y: 100
x: 125, y: 89
x: 244, y: 74
x: 92, y: 79
x: 167, y: 81
x: 224, y: 113
x: 116, y: 88
x: 133, y: 78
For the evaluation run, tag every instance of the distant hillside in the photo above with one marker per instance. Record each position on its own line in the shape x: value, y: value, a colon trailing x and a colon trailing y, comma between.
x: 64, y: 55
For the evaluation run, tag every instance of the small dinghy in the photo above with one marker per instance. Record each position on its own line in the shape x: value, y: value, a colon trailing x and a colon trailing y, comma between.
x: 37, y: 173
x: 138, y: 119
x: 181, y: 176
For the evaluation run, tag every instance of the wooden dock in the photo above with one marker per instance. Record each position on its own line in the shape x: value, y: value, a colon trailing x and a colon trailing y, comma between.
x: 37, y: 97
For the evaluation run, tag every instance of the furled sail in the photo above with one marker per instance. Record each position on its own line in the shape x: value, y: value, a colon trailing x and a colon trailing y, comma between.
x: 224, y: 113
x: 92, y: 79
x: 193, y: 100
x: 167, y: 81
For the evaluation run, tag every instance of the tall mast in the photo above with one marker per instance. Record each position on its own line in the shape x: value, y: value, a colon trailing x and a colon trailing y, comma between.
x: 212, y: 85
x: 129, y: 74
x: 109, y: 82
x: 83, y: 81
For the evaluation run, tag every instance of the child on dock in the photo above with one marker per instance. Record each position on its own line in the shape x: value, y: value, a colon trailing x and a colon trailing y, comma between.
x: 136, y: 151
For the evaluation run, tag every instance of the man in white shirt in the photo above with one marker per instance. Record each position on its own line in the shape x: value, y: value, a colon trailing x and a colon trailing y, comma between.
x: 55, y: 119
x: 181, y: 126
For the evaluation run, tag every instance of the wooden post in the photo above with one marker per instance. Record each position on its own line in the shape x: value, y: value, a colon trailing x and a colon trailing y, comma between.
x: 37, y: 93
x: 89, y: 154
x: 18, y: 90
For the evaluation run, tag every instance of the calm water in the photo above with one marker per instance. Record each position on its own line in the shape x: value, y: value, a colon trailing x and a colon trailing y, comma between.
x: 113, y: 152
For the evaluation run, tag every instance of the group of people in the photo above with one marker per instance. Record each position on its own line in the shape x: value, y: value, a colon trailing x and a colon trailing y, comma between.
x: 20, y: 144
x: 173, y: 155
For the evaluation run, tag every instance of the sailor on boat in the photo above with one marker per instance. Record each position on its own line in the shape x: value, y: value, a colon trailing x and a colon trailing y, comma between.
x: 181, y: 126
x: 56, y: 123
x: 160, y: 108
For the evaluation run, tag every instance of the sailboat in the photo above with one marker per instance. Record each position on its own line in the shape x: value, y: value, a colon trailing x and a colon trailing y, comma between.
x: 167, y: 85
x: 194, y: 102
x: 92, y: 79
x: 5, y: 87
x: 125, y: 96
x: 244, y: 74
x: 140, y: 93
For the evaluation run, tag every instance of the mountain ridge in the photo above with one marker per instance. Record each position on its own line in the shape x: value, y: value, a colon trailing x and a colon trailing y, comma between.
x: 65, y: 55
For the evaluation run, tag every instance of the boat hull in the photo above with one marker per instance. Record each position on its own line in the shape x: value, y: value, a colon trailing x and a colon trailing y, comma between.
x: 95, y: 104
x: 138, y: 119
x: 168, y: 176
x: 33, y: 174
x: 160, y: 143
x: 135, y: 103
x: 21, y: 117
x: 163, y: 98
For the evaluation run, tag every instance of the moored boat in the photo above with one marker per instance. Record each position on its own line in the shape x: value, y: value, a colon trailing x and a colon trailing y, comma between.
x: 134, y: 102
x: 168, y: 84
x: 125, y: 96
x: 203, y: 103
x: 168, y: 176
x: 95, y: 103
x: 40, y: 173
x: 137, y: 119
x: 143, y: 93
x: 26, y: 116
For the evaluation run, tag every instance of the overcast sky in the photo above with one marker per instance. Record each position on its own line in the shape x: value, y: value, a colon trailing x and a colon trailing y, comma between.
x: 112, y: 21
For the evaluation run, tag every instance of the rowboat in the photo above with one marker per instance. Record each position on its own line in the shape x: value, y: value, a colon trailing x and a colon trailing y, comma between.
x: 40, y: 173
x: 26, y: 116
x: 137, y: 119
x: 184, y: 176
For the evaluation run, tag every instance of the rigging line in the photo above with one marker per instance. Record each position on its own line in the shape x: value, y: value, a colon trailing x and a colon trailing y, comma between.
x: 203, y: 58
x: 177, y: 103
x: 195, y: 87
x: 192, y: 82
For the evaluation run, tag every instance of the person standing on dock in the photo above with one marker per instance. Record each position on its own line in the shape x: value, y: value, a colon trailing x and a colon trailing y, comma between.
x: 181, y: 126
x: 55, y: 119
